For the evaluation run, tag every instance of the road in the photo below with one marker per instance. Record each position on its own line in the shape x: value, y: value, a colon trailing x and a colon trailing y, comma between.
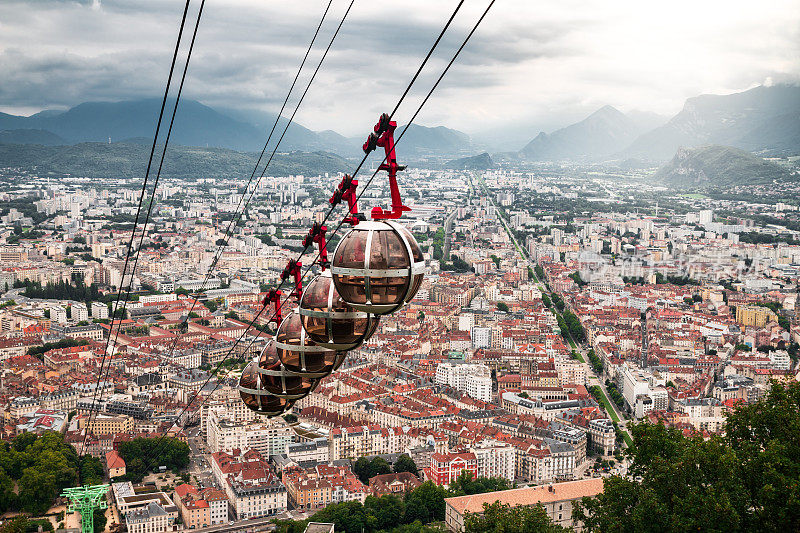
x: 448, y: 234
x: 259, y: 524
x: 199, y: 466
x: 594, y: 379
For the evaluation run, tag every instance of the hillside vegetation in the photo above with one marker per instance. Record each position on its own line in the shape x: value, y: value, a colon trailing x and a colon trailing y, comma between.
x: 129, y: 160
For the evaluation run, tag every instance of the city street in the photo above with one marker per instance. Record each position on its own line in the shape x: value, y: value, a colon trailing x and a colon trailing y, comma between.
x: 593, y: 378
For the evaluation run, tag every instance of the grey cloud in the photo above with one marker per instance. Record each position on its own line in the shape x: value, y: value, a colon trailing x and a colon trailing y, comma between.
x: 524, y: 59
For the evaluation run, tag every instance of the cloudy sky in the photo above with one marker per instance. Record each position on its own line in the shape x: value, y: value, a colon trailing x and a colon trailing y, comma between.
x: 531, y: 65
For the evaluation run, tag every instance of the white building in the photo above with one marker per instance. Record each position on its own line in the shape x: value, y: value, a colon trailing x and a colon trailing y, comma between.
x: 495, y: 459
x: 150, y: 519
x: 58, y: 314
x: 480, y: 387
x: 780, y: 359
x: 99, y: 310
x: 642, y: 390
x: 472, y: 379
x: 481, y: 337
x: 80, y: 312
x: 156, y: 298
x: 268, y: 436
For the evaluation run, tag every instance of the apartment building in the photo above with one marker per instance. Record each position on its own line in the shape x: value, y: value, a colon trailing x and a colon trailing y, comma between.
x: 195, y: 511
x: 267, y: 436
x: 473, y: 379
x: 251, y: 486
x: 99, y: 310
x: 106, y: 424
x: 201, y: 508
x: 494, y: 459
x: 557, y: 499
x: 324, y: 484
x: 446, y: 467
x: 150, y: 519
x: 360, y: 441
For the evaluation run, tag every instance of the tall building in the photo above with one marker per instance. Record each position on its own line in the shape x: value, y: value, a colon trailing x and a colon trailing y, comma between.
x: 472, y: 379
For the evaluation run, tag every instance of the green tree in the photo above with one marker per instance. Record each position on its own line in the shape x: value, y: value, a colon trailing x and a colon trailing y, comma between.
x: 99, y: 520
x: 37, y: 490
x: 290, y: 526
x: 502, y: 518
x: 502, y: 306
x: 17, y: 524
x: 425, y: 503
x: 91, y: 471
x: 384, y: 512
x: 349, y: 517
x: 465, y: 484
x: 746, y: 480
x: 766, y: 438
x: 8, y: 498
x: 142, y: 454
x: 405, y: 463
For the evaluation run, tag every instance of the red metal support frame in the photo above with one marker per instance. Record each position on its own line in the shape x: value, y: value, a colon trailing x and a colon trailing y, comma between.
x: 294, y: 269
x: 316, y: 235
x: 347, y: 191
x: 384, y: 137
x: 274, y: 297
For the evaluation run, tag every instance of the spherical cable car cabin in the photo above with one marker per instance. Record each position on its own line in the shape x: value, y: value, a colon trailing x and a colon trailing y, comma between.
x: 278, y: 380
x: 255, y: 397
x: 378, y: 267
x: 329, y: 321
x: 300, y: 354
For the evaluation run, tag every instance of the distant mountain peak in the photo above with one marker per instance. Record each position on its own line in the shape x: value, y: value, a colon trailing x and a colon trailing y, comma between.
x: 603, y: 132
x: 715, y: 165
x: 607, y: 111
x: 477, y: 162
x: 763, y: 119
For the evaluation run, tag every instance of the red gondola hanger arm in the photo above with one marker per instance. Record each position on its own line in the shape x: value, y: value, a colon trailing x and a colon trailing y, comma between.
x: 274, y: 297
x: 294, y: 269
x: 347, y: 191
x: 384, y: 137
x: 316, y: 235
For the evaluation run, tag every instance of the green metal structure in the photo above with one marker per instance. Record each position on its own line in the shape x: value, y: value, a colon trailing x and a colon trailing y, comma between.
x: 85, y: 500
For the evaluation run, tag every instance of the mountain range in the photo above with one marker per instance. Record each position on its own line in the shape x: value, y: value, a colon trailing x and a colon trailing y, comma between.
x: 765, y: 120
x: 598, y: 135
x: 196, y: 124
x: 128, y: 160
x: 718, y: 166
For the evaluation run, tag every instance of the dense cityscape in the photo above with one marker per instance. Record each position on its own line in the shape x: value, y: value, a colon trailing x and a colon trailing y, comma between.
x: 558, y: 309
x: 345, y: 267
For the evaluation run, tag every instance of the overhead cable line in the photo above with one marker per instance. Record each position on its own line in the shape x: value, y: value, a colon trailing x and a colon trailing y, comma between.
x: 237, y: 215
x: 138, y: 211
x: 168, y: 358
x: 258, y: 314
x: 158, y: 174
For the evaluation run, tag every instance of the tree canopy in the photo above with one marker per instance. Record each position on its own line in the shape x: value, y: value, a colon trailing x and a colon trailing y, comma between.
x: 41, y: 466
x: 143, y: 454
x: 405, y: 463
x: 746, y: 480
x: 367, y: 468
